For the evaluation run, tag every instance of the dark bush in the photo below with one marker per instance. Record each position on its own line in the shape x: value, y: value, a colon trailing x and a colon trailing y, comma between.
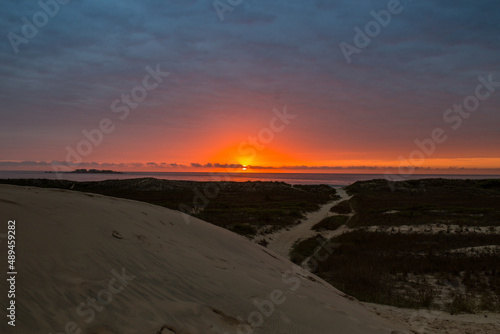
x: 331, y: 223
x: 343, y: 207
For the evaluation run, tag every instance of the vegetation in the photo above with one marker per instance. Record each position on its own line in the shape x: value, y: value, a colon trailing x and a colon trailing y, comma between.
x: 369, y: 265
x: 244, y: 229
x: 238, y: 206
x: 343, y: 207
x: 303, y: 249
x: 417, y: 269
x: 462, y: 304
x: 263, y: 242
x: 331, y: 223
x: 416, y: 202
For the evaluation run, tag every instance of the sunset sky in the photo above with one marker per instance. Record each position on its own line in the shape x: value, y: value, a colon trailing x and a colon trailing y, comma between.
x: 261, y: 83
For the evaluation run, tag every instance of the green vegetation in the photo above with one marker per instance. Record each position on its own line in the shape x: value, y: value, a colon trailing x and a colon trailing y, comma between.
x: 330, y: 223
x: 263, y: 242
x: 368, y: 265
x: 410, y: 269
x: 343, y: 207
x: 238, y: 206
x: 244, y: 229
x: 416, y: 202
x: 303, y: 249
x: 462, y: 304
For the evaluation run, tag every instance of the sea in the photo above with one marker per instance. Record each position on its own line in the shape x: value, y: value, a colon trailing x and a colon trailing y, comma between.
x: 333, y: 179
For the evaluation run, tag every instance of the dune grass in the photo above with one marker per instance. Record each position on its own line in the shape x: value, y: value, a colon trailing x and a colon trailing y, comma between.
x: 416, y: 202
x: 395, y: 268
x: 242, y: 207
x: 331, y: 223
x: 303, y: 249
x: 343, y: 207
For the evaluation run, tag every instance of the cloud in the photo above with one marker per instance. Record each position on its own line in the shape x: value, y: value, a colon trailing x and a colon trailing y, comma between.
x: 154, y: 166
x: 264, y: 54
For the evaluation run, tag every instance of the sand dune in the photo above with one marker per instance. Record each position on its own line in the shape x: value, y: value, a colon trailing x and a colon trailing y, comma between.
x: 93, y: 264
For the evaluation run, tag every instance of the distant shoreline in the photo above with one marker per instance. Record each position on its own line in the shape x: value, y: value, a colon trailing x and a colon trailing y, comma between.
x: 337, y: 180
x: 88, y: 171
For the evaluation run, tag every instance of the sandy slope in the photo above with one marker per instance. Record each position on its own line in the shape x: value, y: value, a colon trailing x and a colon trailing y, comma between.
x: 437, y: 322
x: 94, y: 264
x: 281, y: 242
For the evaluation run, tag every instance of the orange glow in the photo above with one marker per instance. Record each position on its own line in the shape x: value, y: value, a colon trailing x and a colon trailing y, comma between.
x: 249, y: 155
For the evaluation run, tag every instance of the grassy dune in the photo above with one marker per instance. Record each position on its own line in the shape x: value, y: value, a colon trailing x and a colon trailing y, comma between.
x: 242, y: 207
x: 456, y: 269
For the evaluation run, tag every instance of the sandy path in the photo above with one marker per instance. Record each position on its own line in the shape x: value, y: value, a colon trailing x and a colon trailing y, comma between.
x: 438, y: 322
x: 281, y: 242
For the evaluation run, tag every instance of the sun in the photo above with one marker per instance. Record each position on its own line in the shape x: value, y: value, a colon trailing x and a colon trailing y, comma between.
x: 244, y: 167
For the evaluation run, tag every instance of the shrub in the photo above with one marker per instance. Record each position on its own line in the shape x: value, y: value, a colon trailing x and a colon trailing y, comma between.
x: 462, y: 303
x: 263, y: 242
x: 303, y: 249
x: 244, y: 229
x: 331, y: 223
x: 425, y: 297
x: 343, y: 207
x: 369, y: 265
x: 489, y: 302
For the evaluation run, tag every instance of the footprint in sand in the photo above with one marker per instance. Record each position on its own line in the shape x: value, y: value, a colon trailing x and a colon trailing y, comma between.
x: 166, y: 330
x: 117, y: 235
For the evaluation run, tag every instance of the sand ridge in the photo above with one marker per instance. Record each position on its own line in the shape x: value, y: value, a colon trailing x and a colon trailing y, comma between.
x: 181, y: 278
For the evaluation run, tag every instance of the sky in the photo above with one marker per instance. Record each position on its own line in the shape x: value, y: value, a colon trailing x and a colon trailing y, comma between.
x: 282, y: 85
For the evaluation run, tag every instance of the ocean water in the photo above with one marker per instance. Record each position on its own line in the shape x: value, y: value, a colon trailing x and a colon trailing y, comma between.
x: 333, y: 179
